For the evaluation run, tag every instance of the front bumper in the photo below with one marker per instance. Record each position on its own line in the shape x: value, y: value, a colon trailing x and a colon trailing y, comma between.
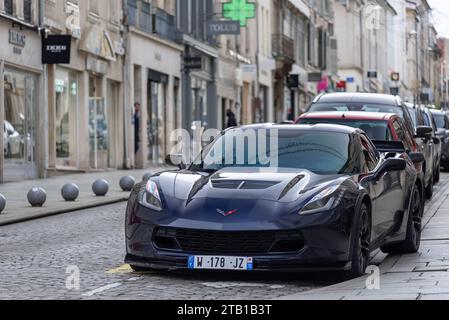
x: 322, y: 241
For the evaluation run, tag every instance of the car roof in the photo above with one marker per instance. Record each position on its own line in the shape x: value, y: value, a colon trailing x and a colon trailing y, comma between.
x: 359, y: 97
x: 352, y: 115
x: 436, y: 111
x: 299, y: 127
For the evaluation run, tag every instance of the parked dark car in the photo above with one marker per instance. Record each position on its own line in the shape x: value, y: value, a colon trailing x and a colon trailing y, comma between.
x: 363, y: 102
x: 326, y: 199
x: 381, y: 103
x: 442, y: 123
x: 428, y: 143
x: 378, y: 126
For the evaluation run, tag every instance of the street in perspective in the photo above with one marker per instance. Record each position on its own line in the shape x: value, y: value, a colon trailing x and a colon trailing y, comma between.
x: 237, y: 150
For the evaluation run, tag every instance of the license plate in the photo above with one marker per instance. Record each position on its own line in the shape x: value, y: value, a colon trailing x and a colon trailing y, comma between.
x: 220, y: 263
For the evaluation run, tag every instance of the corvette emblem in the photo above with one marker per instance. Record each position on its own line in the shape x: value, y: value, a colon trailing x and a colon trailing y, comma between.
x: 227, y: 213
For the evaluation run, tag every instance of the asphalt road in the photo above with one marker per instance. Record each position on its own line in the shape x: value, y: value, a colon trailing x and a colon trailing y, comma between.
x: 40, y: 259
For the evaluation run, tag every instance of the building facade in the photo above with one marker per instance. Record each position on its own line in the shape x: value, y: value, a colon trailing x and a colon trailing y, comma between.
x: 85, y: 97
x: 153, y: 80
x: 22, y: 80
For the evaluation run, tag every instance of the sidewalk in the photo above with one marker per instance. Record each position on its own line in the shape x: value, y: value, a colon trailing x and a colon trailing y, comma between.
x: 420, y: 276
x: 18, y: 209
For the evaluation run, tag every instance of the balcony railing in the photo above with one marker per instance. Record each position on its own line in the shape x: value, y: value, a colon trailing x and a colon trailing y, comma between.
x: 139, y: 15
x: 164, y: 24
x: 283, y: 47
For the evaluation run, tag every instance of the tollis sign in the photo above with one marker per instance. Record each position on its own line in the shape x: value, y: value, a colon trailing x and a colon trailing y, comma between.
x: 56, y: 49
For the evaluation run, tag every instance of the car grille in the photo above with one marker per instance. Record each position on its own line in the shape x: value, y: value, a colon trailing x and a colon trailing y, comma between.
x: 228, y: 242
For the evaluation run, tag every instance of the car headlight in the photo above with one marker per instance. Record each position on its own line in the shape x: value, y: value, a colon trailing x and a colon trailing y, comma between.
x: 327, y: 199
x: 151, y: 197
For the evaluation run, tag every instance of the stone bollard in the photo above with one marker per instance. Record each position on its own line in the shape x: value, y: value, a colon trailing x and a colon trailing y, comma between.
x: 2, y: 203
x: 37, y: 197
x: 100, y: 187
x: 127, y: 183
x: 70, y: 192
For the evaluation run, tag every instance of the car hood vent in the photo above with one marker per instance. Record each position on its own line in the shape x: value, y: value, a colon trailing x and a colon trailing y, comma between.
x: 243, y: 184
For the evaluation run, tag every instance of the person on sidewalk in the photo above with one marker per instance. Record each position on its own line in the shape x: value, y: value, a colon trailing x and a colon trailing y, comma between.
x: 136, y: 127
x: 232, y: 121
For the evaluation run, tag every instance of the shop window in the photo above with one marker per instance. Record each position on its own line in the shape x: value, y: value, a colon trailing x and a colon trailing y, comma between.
x: 18, y: 127
x: 27, y: 10
x: 9, y: 9
x: 66, y: 88
x: 93, y: 7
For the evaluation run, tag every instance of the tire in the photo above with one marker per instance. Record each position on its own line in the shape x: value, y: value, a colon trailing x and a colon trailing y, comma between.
x: 429, y: 189
x: 360, y: 243
x: 412, y: 241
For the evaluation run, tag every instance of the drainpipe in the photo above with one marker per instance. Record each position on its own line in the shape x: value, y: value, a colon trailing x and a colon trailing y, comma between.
x: 43, y: 166
x: 126, y: 93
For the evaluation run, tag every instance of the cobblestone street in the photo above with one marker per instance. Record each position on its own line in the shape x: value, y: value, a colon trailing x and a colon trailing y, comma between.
x: 35, y: 255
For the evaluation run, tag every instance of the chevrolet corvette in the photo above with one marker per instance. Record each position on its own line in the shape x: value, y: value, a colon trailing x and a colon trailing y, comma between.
x: 322, y: 198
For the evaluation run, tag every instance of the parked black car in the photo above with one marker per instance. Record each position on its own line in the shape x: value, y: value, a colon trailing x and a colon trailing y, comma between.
x: 365, y: 102
x: 442, y: 122
x: 425, y: 129
x: 327, y: 201
x: 373, y: 102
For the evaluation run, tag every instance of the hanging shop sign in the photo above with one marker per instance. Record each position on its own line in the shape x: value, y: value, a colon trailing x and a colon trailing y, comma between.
x: 293, y: 81
x: 56, y: 49
x: 192, y: 63
x: 228, y: 27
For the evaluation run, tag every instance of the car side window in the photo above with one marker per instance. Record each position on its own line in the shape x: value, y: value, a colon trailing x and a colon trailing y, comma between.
x: 370, y: 157
x: 403, y: 134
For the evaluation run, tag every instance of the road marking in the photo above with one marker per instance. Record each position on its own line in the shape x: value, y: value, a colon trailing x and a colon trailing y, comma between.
x: 126, y: 268
x: 102, y: 289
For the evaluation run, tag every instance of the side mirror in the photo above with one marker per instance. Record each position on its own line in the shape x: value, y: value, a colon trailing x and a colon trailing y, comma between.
x: 424, y: 132
x: 176, y: 160
x: 392, y: 164
x: 416, y: 157
x: 436, y: 140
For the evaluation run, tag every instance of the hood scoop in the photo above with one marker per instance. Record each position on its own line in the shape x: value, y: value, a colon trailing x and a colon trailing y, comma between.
x: 290, y: 185
x: 242, y: 184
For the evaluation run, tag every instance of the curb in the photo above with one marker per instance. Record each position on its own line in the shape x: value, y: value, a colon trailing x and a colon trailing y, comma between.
x: 55, y: 212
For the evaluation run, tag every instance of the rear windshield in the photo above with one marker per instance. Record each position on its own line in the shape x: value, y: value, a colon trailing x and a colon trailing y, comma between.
x: 365, y: 107
x: 376, y: 130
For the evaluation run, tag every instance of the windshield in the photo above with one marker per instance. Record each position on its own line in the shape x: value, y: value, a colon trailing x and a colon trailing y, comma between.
x: 376, y: 130
x: 319, y: 152
x: 365, y: 107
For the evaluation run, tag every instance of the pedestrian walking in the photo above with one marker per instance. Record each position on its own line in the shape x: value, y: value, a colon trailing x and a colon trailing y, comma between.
x: 232, y: 121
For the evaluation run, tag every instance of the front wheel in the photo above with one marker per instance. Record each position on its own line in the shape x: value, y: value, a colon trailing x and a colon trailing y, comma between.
x: 414, y: 227
x: 361, y: 244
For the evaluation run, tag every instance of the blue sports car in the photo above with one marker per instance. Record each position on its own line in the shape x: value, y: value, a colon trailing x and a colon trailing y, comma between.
x: 318, y: 197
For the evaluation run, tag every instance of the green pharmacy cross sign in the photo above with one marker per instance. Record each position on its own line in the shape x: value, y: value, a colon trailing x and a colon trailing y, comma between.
x: 239, y: 10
